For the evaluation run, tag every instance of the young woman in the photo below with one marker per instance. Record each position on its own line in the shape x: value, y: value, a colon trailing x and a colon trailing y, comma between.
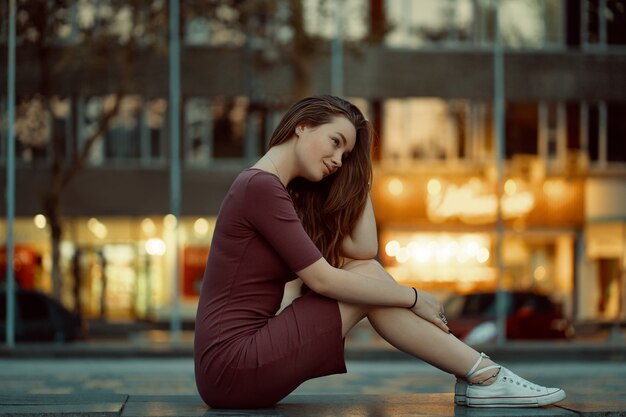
x: 303, y: 210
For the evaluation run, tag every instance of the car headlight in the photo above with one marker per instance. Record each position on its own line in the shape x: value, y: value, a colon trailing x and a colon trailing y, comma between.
x: 483, y: 333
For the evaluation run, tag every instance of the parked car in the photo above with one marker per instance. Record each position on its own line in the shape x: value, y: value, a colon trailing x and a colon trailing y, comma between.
x: 472, y: 317
x: 39, y: 318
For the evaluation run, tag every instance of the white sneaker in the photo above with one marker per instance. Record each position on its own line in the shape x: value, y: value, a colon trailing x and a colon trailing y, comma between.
x: 510, y: 390
x: 460, y: 388
x: 460, y: 392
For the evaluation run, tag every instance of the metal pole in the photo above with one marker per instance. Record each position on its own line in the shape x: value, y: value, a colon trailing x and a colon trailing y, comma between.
x: 10, y: 281
x: 175, y: 170
x: 336, y: 58
x: 602, y: 26
x: 499, y: 113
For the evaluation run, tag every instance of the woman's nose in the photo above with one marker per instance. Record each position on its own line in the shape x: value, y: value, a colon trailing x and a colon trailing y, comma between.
x: 336, y: 159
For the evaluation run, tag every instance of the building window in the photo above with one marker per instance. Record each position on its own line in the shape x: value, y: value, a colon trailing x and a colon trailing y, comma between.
x: 523, y: 24
x: 121, y: 140
x: 36, y: 128
x: 229, y: 126
x: 521, y: 129
x: 592, y: 113
x: 573, y: 129
x: 198, y: 131
x: 320, y: 18
x: 153, y: 133
x: 429, y: 129
x: 4, y: 24
x: 417, y: 24
x: 47, y: 125
x: 418, y: 129
x: 135, y: 134
x: 603, y: 22
x: 603, y: 131
x: 616, y: 132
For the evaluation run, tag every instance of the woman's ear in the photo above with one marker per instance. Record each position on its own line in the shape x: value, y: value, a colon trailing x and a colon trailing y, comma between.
x: 299, y: 130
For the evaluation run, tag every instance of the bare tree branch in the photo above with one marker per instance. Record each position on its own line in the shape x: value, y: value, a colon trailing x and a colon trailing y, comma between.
x: 103, y: 126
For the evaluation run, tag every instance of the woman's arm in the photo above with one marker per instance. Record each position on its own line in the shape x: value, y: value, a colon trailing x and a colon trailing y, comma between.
x: 362, y: 243
x: 344, y: 285
x: 353, y: 288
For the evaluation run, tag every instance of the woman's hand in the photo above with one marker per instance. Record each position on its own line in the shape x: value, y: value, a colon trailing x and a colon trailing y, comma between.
x: 430, y: 309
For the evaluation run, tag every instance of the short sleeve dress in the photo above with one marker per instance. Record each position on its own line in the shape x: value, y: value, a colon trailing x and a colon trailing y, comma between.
x: 246, y: 355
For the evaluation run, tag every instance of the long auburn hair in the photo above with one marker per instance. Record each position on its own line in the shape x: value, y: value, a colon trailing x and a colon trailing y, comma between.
x: 329, y: 209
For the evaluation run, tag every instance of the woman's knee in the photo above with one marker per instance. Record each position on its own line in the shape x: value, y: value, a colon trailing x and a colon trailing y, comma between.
x: 369, y: 267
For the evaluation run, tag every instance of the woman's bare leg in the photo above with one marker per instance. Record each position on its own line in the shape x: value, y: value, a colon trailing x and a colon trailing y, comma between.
x: 422, y: 339
x: 407, y: 331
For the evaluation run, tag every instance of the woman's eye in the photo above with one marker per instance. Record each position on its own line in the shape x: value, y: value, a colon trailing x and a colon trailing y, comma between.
x: 336, y: 141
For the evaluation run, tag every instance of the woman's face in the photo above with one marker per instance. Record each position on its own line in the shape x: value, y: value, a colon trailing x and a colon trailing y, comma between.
x: 321, y: 150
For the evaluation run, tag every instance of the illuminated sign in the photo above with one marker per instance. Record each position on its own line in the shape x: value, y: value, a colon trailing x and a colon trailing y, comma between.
x: 474, y: 203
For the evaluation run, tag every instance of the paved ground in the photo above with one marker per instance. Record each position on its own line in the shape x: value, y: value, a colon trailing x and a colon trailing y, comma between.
x: 174, y: 376
x: 152, y: 375
x: 165, y: 387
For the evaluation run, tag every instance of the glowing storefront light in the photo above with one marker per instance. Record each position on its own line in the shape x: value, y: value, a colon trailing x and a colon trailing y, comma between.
x: 403, y: 255
x: 471, y: 248
x: 462, y: 256
x: 148, y: 226
x: 434, y: 187
x: 201, y: 227
x: 395, y: 186
x: 483, y: 255
x: 97, y: 228
x: 440, y: 250
x: 443, y: 254
x: 392, y: 248
x: 510, y: 187
x: 40, y: 221
x: 540, y: 273
x: 419, y: 252
x: 554, y: 188
x: 440, y: 257
x: 170, y: 221
x: 155, y: 247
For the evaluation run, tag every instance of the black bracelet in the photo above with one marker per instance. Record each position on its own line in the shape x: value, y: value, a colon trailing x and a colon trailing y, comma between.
x: 414, y: 302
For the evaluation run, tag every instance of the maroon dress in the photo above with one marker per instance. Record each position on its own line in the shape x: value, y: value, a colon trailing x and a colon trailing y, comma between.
x: 247, y: 356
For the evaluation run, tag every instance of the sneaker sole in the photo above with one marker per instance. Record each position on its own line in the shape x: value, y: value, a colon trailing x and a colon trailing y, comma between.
x: 538, y: 401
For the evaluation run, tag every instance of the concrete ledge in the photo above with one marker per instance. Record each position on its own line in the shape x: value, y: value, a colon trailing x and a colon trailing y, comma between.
x: 512, y: 351
x: 105, y: 405
x: 437, y: 405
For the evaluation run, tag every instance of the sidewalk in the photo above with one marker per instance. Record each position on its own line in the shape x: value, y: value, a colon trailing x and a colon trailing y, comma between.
x: 110, y: 405
x: 159, y: 344
x: 590, y: 398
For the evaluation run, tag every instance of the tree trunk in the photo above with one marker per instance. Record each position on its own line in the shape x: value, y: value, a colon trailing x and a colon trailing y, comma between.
x: 52, y: 208
x: 77, y: 275
x: 301, y: 51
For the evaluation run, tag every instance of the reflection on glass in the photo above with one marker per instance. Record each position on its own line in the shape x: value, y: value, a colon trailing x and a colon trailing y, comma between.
x: 229, y: 124
x: 198, y: 132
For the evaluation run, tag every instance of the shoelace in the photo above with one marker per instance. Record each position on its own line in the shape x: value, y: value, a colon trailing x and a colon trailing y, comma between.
x: 487, y: 379
x: 518, y: 380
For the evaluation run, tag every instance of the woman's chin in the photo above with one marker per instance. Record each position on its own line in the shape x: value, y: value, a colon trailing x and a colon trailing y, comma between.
x: 316, y: 177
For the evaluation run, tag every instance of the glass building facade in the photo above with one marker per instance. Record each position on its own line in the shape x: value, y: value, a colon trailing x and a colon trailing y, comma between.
x: 434, y: 188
